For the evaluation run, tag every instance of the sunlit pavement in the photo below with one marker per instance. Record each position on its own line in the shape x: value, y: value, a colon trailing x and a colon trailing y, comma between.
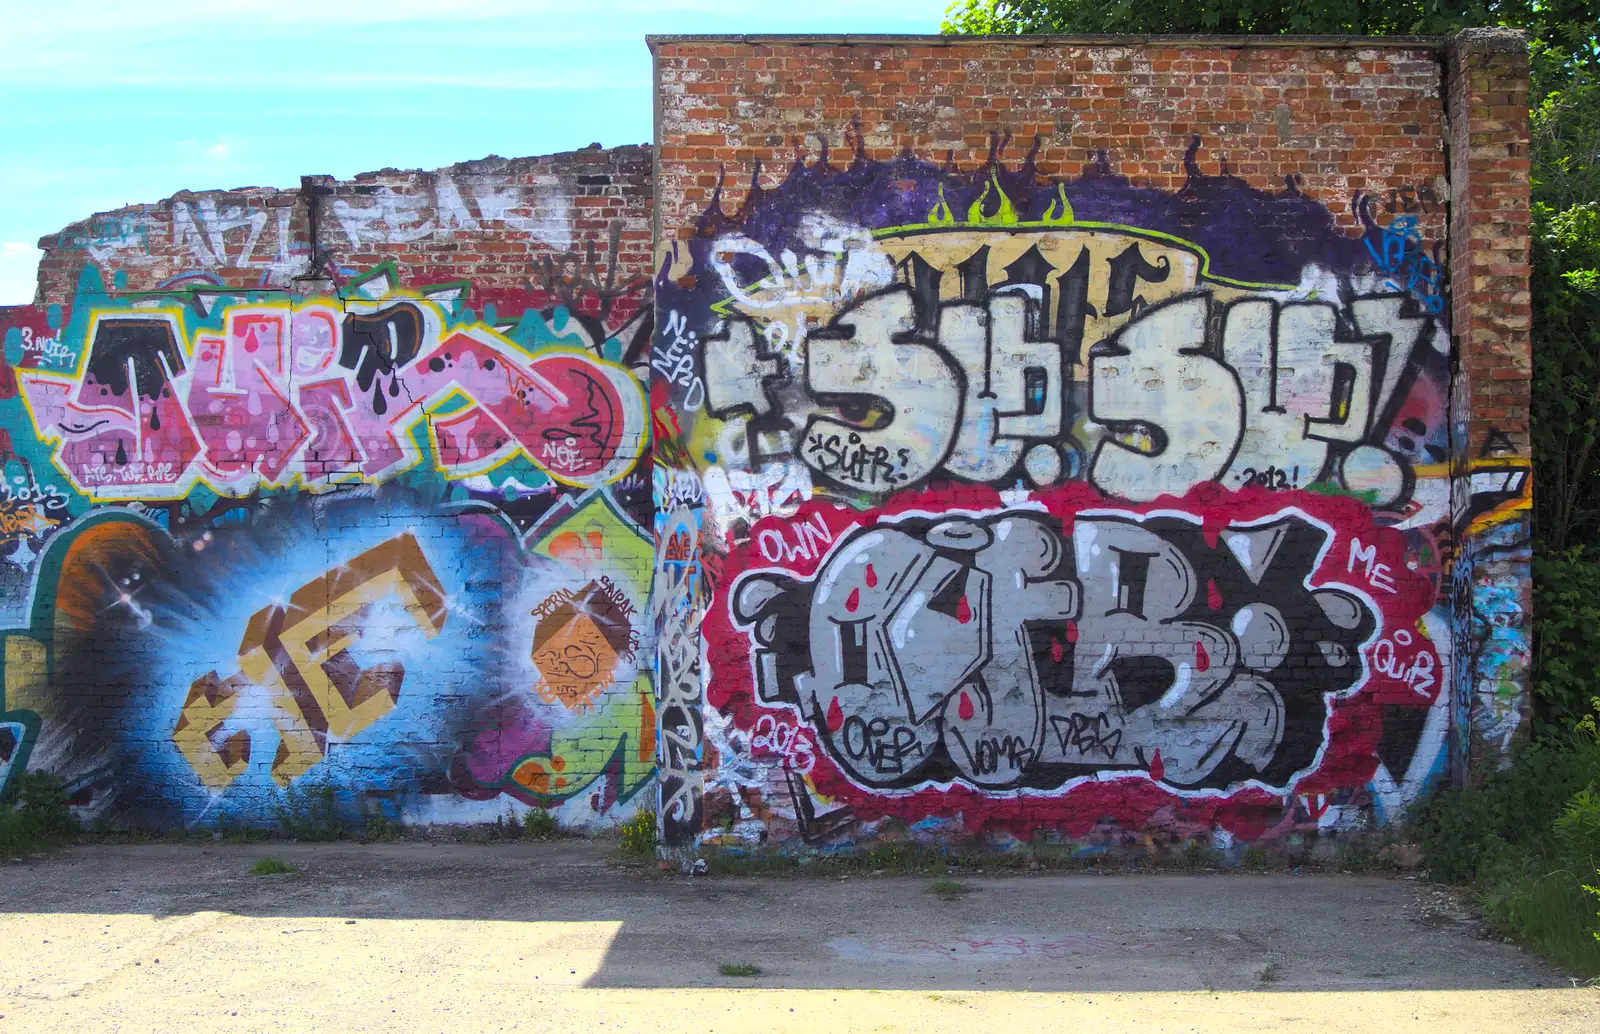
x: 364, y: 939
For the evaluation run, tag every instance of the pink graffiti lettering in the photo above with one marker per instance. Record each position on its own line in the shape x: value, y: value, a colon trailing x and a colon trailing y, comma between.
x: 313, y: 394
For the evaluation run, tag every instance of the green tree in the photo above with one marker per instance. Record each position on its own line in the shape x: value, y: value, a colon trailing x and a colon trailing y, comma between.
x: 1565, y: 32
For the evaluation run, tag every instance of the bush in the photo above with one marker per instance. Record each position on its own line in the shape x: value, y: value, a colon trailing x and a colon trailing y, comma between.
x: 1566, y: 608
x: 1528, y: 842
x: 1517, y: 805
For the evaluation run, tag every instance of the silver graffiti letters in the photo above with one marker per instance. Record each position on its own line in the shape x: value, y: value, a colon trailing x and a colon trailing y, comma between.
x: 1004, y: 652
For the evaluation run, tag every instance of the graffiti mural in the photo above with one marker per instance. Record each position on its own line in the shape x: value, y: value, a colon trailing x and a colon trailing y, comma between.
x: 1065, y: 507
x: 301, y: 651
x: 387, y: 542
x: 306, y: 394
x: 1037, y: 648
x: 581, y: 706
x: 341, y: 677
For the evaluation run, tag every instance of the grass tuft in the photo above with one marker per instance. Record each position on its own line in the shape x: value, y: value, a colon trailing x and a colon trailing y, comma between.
x: 739, y: 969
x: 948, y: 890
x: 270, y: 866
x: 34, y: 816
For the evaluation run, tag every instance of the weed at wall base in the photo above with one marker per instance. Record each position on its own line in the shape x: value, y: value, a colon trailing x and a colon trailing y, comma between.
x: 1526, y: 842
x: 34, y: 816
x: 308, y: 813
x: 637, y: 837
x: 539, y: 824
x: 382, y: 829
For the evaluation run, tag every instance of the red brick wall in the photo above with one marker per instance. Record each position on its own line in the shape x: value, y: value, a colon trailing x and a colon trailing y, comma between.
x: 1338, y: 120
x: 947, y: 327
x: 249, y: 237
x: 567, y: 225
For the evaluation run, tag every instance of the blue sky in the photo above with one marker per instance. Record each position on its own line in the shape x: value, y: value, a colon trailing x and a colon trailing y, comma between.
x: 111, y: 102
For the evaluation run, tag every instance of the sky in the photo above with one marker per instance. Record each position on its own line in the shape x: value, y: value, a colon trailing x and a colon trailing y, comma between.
x: 105, y: 103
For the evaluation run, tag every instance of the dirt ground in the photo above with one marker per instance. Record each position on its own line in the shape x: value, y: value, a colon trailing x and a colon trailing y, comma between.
x: 544, y: 937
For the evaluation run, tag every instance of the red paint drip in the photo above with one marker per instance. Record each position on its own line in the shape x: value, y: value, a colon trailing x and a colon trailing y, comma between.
x: 835, y: 716
x: 1157, y: 769
x: 965, y: 710
x: 872, y: 577
x: 853, y: 601
x: 1213, y: 597
x: 1055, y: 649
x: 963, y: 611
x: 1202, y: 660
x: 1072, y: 631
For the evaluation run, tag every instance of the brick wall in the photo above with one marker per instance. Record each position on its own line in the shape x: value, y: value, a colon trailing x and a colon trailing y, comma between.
x: 337, y: 493
x: 1061, y: 433
x: 1487, y: 90
x: 1336, y: 120
x: 1121, y: 443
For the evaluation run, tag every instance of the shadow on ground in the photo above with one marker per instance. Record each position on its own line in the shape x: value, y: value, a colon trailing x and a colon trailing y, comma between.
x: 567, y: 914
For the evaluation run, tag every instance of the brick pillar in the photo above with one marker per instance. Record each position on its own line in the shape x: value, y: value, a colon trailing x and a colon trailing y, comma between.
x: 1491, y: 464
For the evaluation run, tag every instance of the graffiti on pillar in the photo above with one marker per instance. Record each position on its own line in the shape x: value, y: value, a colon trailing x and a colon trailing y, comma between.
x: 678, y: 610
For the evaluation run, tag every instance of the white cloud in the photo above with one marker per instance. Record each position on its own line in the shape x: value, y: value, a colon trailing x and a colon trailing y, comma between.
x: 201, y: 151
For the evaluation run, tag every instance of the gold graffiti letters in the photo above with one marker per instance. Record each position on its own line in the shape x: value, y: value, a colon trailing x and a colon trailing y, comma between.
x: 300, y: 652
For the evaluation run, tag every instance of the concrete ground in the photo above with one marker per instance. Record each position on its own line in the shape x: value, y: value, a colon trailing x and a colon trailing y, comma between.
x: 544, y: 937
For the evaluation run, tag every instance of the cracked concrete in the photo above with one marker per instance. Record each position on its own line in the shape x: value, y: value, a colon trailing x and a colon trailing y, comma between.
x: 528, y: 936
